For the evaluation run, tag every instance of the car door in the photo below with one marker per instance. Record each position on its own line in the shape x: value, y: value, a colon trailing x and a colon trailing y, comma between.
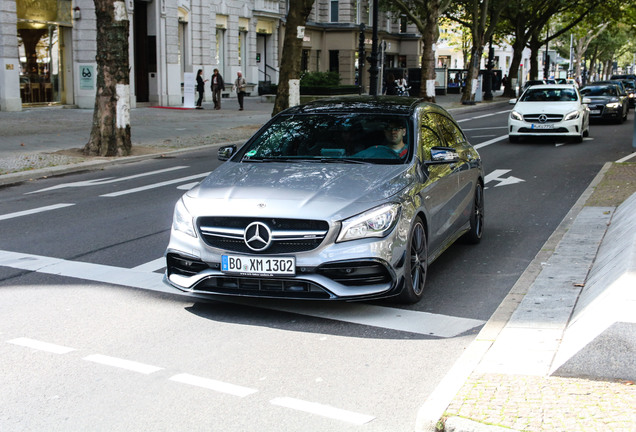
x: 463, y: 171
x: 439, y: 190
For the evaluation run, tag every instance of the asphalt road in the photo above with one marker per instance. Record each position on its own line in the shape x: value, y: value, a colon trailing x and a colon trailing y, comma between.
x: 90, y: 339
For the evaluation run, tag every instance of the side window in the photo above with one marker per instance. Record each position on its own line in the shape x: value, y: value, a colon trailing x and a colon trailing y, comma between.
x: 452, y: 135
x: 429, y: 137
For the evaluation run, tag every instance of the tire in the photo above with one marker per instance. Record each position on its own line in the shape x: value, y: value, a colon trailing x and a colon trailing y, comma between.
x: 586, y: 132
x: 513, y: 138
x: 578, y: 139
x: 416, y: 265
x: 476, y: 231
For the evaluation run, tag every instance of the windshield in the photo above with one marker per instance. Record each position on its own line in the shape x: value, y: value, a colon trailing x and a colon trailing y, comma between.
x: 599, y: 91
x: 346, y: 138
x: 549, y: 95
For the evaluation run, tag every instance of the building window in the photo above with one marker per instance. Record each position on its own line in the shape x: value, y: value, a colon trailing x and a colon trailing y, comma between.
x: 304, y: 61
x: 334, y: 61
x: 334, y: 11
x: 403, y: 23
x: 318, y: 52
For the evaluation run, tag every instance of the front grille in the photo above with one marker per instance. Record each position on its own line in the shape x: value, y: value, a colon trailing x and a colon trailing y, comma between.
x: 184, y: 266
x: 264, y: 287
x: 550, y: 118
x: 288, y: 235
x: 543, y: 131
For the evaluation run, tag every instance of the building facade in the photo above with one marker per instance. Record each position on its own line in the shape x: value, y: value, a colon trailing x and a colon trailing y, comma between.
x: 48, y: 47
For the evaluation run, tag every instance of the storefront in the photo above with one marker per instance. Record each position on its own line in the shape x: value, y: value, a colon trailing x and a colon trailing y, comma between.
x: 41, y: 27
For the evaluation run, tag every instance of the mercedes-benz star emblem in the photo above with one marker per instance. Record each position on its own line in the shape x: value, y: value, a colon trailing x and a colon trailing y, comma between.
x: 543, y: 118
x: 257, y: 236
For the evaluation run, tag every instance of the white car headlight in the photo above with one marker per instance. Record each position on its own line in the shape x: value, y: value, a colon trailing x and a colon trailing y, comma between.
x: 182, y: 219
x: 571, y: 116
x: 376, y: 222
x: 516, y: 115
x: 613, y: 105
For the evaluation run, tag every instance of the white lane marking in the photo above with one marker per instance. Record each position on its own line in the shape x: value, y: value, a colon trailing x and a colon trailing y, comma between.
x: 81, y: 270
x: 626, y: 158
x: 484, y: 128
x: 503, y: 181
x: 210, y: 384
x: 187, y: 186
x: 41, y: 346
x: 492, y: 141
x: 122, y: 364
x: 482, y: 116
x: 151, y: 266
x: 156, y: 185
x: 322, y: 410
x: 107, y: 180
x: 424, y: 323
x: 34, y: 211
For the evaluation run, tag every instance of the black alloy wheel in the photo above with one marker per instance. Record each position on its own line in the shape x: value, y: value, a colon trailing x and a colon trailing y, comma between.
x: 476, y: 231
x: 416, y: 264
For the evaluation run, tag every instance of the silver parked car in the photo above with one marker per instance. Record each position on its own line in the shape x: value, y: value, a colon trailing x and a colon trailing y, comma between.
x: 346, y: 198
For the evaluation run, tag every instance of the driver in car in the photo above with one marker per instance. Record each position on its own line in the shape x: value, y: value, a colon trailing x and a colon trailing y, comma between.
x: 393, y: 145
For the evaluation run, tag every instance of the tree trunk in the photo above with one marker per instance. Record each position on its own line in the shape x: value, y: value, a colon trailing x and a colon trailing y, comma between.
x: 513, y: 73
x: 292, y: 51
x: 110, y: 133
x: 429, y: 37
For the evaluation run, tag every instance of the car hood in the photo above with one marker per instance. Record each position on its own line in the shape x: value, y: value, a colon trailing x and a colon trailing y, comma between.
x: 292, y: 190
x: 603, y: 99
x: 546, y: 108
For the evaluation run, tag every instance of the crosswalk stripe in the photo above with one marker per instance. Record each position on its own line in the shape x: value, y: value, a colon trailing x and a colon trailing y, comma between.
x: 424, y: 323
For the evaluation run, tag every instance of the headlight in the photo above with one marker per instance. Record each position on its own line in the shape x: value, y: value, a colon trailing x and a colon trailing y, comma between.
x: 571, y: 116
x: 515, y: 115
x: 613, y: 105
x: 182, y: 219
x: 376, y: 222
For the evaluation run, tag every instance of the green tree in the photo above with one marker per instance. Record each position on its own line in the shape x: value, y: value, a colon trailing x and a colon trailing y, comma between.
x: 110, y: 133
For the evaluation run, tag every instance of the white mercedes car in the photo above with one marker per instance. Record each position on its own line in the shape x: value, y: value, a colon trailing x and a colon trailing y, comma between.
x: 555, y: 110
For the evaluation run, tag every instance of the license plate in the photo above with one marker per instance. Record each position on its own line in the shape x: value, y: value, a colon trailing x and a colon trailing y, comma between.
x: 595, y: 111
x: 542, y: 126
x: 258, y: 266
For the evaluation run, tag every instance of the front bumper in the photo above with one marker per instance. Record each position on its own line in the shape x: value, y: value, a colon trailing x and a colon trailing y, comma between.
x: 568, y: 128
x: 358, y: 279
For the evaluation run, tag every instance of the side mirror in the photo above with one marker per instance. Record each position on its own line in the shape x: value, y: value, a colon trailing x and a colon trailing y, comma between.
x: 586, y: 100
x: 512, y: 101
x: 226, y: 152
x: 443, y: 155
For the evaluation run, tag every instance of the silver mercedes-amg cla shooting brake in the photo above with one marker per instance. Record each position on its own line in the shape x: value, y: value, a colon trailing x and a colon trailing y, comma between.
x: 348, y: 198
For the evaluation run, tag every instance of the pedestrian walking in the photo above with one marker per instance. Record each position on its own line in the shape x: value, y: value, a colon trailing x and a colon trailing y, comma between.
x: 217, y: 86
x: 239, y: 86
x: 200, y: 88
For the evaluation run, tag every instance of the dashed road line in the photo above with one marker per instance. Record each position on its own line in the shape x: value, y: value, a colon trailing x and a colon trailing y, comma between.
x: 155, y: 185
x: 41, y: 346
x: 123, y: 364
x: 322, y: 410
x: 214, y: 385
x: 34, y: 211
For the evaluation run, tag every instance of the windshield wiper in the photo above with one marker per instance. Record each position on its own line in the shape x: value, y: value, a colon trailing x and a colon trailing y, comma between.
x: 338, y: 160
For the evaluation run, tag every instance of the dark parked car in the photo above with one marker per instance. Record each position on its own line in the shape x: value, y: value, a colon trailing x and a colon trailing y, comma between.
x: 630, y: 87
x: 607, y: 102
x: 347, y: 198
